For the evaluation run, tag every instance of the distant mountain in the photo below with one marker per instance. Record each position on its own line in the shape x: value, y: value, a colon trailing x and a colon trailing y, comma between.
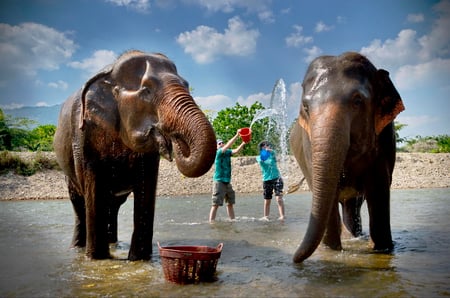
x: 43, y: 115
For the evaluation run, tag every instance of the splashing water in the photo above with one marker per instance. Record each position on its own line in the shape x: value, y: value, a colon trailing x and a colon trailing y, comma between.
x: 278, y: 114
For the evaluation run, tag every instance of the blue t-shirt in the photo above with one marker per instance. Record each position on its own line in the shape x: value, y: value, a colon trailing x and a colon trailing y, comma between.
x: 269, y: 167
x: 222, y: 164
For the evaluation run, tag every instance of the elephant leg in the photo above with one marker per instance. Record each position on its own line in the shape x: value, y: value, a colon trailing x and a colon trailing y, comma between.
x: 113, y: 212
x: 351, y: 213
x: 144, y: 208
x: 97, y: 246
x: 378, y: 202
x: 79, y: 232
x: 332, y: 237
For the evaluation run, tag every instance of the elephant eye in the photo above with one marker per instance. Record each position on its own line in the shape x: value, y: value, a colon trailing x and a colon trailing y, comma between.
x: 357, y: 101
x: 305, y: 108
x: 144, y: 91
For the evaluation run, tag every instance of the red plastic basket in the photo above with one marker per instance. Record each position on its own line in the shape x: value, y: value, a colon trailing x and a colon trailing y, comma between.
x: 189, y: 264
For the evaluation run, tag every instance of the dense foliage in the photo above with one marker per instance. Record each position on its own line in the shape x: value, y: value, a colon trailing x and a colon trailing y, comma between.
x: 229, y: 120
x: 432, y: 144
x: 16, y: 135
x: 25, y: 167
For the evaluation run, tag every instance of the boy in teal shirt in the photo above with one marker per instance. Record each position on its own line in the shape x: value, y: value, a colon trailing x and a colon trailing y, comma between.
x: 222, y: 188
x: 272, y: 181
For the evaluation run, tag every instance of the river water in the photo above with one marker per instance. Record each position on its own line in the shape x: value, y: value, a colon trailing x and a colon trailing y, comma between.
x: 256, y: 260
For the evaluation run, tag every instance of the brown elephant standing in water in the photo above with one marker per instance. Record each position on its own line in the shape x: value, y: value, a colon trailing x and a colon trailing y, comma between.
x: 109, y: 140
x: 344, y: 142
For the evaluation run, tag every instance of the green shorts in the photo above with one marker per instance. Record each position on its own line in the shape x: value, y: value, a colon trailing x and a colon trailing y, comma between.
x: 222, y: 192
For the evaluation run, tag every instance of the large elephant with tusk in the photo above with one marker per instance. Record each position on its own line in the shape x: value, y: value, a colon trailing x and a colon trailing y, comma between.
x: 344, y: 142
x: 109, y: 140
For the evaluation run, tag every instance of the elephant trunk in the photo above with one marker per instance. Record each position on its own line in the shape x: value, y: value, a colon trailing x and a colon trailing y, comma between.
x: 189, y: 130
x: 329, y: 143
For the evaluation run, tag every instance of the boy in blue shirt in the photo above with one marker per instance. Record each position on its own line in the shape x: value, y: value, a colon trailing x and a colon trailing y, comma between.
x: 272, y: 181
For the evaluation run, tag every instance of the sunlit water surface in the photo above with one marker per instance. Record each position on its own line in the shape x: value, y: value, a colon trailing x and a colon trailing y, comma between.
x: 256, y: 259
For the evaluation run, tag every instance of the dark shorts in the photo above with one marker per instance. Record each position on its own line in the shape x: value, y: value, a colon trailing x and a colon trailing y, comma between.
x: 273, y: 185
x: 222, y: 192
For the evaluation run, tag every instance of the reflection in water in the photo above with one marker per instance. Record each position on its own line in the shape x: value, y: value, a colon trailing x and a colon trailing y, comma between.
x: 256, y: 259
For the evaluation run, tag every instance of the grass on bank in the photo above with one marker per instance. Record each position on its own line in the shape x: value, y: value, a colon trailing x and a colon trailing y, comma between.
x: 9, y: 161
x: 20, y: 166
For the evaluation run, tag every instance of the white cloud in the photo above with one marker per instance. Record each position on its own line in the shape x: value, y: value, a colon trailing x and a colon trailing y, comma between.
x: 415, y: 18
x: 214, y: 103
x: 96, y: 62
x: 259, y: 7
x: 432, y: 74
x: 59, y: 85
x: 394, y: 52
x: 11, y: 106
x: 408, y: 49
x: 261, y: 97
x: 142, y: 6
x: 322, y: 27
x: 416, y: 121
x: 30, y: 47
x: 205, y: 44
x: 312, y: 53
x: 437, y: 43
x: 42, y: 104
x: 341, y: 20
x: 296, y: 39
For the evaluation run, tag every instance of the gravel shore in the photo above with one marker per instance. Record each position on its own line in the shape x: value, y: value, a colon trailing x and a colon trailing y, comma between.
x: 412, y: 170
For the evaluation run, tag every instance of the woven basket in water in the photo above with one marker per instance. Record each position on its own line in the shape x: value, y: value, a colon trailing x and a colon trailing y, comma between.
x: 189, y: 264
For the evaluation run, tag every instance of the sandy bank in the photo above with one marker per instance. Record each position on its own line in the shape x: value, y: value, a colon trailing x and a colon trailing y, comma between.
x: 413, y: 170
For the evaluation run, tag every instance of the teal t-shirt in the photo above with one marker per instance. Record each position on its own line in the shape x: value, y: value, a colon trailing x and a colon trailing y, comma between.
x: 269, y: 167
x: 222, y: 164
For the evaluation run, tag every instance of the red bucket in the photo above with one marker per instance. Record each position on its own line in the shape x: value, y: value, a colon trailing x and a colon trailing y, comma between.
x: 246, y: 134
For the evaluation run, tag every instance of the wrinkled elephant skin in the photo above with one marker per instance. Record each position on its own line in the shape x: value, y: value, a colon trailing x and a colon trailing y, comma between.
x: 109, y: 140
x: 344, y: 142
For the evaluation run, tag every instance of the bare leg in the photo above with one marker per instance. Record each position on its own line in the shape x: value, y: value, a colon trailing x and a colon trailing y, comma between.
x: 280, y: 207
x: 267, y: 207
x: 212, y: 213
x: 230, y: 211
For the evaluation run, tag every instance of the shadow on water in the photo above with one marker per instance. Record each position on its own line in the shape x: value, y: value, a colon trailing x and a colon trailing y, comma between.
x: 256, y: 259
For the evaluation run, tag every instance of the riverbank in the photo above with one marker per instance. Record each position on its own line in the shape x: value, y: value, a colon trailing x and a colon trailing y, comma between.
x: 412, y: 170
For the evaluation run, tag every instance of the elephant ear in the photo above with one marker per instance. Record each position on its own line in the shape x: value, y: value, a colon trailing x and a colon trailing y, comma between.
x: 389, y: 101
x: 105, y: 72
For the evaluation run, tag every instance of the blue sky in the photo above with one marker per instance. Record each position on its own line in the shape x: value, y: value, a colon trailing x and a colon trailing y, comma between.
x: 229, y: 50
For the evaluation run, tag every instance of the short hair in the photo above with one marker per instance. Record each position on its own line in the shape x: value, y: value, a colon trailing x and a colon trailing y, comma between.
x: 263, y: 143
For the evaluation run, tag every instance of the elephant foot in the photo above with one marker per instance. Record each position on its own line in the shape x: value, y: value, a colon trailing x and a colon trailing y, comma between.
x: 333, y: 246
x: 139, y: 257
x: 98, y: 255
x: 145, y: 253
x: 384, y: 247
x: 77, y: 243
x: 112, y: 238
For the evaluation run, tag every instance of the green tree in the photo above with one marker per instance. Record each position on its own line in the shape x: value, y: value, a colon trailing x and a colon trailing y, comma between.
x: 41, y: 138
x: 431, y: 144
x: 5, y: 133
x: 16, y: 134
x: 229, y: 120
x: 397, y: 127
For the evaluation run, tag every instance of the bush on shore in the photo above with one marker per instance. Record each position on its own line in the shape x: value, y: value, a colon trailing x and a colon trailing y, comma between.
x: 25, y: 166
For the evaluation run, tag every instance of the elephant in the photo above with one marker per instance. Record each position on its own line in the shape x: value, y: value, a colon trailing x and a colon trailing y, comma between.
x: 109, y: 140
x: 345, y: 144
